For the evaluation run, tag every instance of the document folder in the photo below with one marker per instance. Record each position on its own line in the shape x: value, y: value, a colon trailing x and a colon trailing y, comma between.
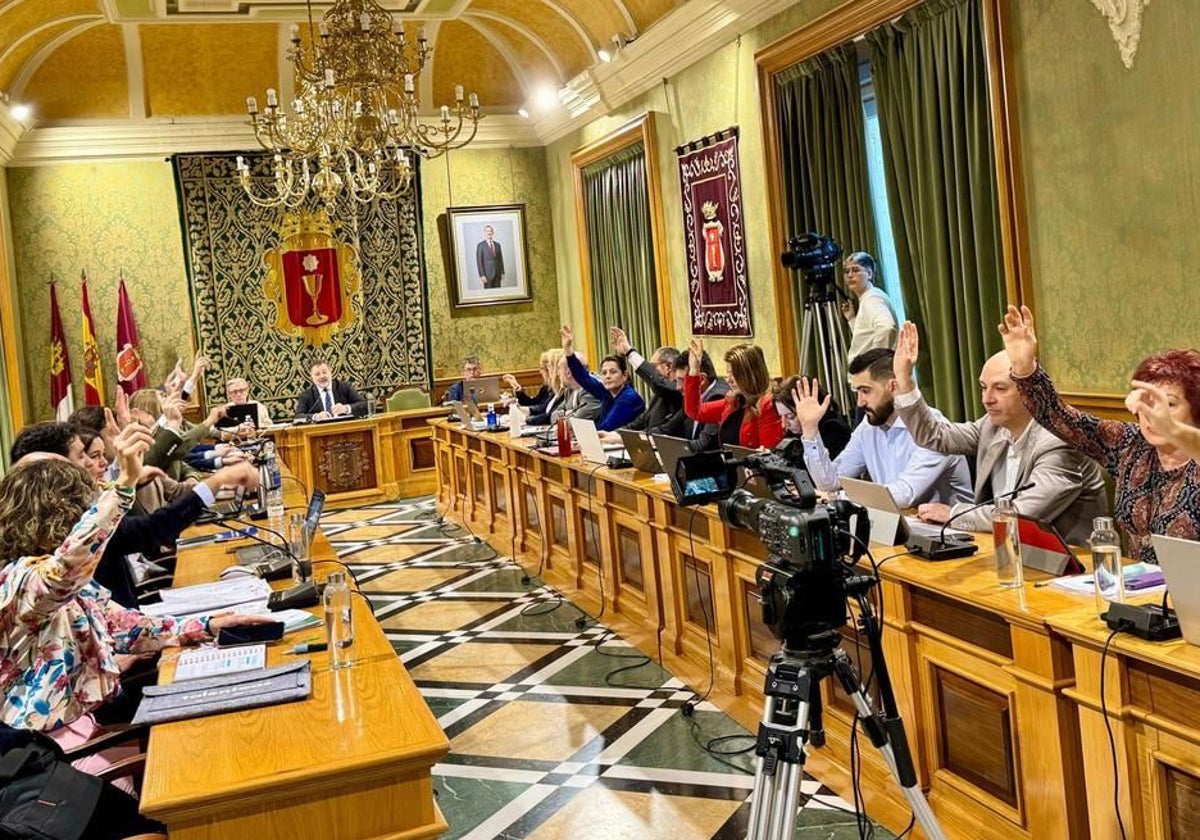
x: 228, y: 693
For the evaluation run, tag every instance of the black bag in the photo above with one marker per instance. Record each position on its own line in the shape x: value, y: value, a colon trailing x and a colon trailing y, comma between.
x: 42, y: 796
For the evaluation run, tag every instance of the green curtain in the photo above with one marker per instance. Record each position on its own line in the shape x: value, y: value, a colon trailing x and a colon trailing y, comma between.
x: 621, y: 250
x: 930, y: 74
x: 823, y: 154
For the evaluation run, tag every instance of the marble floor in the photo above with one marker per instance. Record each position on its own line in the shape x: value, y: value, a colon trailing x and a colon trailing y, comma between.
x: 558, y: 728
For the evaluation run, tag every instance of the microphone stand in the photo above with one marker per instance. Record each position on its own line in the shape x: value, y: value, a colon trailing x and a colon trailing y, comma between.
x: 940, y: 548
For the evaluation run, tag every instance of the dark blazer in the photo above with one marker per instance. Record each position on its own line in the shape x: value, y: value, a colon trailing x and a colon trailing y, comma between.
x: 147, y: 535
x: 490, y: 262
x: 663, y: 416
x: 343, y: 392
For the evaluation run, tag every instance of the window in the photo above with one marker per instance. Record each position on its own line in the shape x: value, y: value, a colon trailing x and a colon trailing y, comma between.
x: 889, y: 279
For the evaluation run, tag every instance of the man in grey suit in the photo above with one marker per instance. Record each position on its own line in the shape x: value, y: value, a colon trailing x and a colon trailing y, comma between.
x: 1010, y: 450
x: 664, y: 415
x: 489, y: 259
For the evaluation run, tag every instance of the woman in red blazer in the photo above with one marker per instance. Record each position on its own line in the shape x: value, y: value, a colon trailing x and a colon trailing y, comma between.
x: 749, y: 387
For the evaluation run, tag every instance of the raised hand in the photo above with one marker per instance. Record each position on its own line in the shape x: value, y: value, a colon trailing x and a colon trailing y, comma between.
x: 131, y: 444
x: 121, y: 409
x: 218, y: 411
x: 1020, y: 341
x: 172, y: 408
x: 568, y: 340
x: 1149, y: 401
x: 198, y: 365
x: 810, y: 410
x: 620, y: 341
x: 150, y: 474
x: 512, y: 382
x: 695, y: 356
x: 907, y: 350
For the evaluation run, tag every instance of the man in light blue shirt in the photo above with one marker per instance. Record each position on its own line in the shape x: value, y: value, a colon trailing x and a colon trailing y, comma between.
x: 881, y: 447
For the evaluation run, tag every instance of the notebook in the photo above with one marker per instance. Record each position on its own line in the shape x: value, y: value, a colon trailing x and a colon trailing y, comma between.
x: 225, y: 693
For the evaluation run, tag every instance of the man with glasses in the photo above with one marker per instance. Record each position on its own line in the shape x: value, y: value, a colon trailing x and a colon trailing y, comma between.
x: 471, y: 369
x: 664, y: 415
x: 871, y: 316
x: 237, y: 390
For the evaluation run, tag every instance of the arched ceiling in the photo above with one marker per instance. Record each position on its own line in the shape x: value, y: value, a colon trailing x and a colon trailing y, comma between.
x: 120, y: 59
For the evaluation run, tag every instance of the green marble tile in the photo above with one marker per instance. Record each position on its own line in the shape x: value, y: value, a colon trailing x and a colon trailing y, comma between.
x: 558, y: 620
x: 674, y: 745
x: 502, y: 580
x: 443, y: 705
x: 468, y: 802
x: 590, y: 670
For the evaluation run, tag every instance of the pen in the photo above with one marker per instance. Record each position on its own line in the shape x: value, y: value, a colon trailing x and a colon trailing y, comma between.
x: 309, y: 647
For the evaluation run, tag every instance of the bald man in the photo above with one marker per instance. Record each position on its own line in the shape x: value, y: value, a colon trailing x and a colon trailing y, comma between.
x: 1010, y: 450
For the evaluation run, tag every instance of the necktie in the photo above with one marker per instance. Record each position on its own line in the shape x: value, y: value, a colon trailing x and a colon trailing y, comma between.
x: 328, y: 402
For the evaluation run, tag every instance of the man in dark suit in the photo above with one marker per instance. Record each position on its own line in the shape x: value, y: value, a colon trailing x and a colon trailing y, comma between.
x: 664, y: 415
x: 490, y: 260
x: 712, y: 387
x: 328, y: 397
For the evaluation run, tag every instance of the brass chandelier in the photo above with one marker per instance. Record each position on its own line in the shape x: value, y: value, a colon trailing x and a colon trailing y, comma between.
x: 355, y: 117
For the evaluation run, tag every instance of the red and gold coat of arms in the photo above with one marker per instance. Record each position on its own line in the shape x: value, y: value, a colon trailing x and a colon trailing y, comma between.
x: 312, y: 278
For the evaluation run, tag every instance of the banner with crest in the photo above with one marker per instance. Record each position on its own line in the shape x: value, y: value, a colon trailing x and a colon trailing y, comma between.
x: 274, y: 290
x: 713, y: 223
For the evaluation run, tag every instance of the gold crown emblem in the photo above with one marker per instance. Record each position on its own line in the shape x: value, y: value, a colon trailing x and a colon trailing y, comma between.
x: 709, y: 209
x: 301, y: 222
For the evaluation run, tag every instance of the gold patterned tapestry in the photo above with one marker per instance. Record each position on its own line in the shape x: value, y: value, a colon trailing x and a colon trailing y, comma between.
x: 225, y: 240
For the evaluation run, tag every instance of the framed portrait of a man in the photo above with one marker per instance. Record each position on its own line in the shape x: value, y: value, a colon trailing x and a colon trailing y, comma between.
x: 489, y: 257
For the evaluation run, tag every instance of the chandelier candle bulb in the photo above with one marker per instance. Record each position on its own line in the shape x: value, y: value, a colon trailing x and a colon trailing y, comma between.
x: 329, y: 77
x: 364, y: 20
x: 458, y: 93
x: 272, y: 98
x: 324, y: 30
x: 474, y: 101
x: 409, y: 87
x: 252, y: 105
x: 295, y: 33
x: 445, y: 113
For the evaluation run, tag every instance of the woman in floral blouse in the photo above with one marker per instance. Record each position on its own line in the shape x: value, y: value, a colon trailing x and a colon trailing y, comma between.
x: 60, y: 634
x: 1157, y: 482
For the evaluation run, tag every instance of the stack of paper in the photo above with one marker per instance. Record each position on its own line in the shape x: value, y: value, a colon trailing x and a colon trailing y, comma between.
x: 207, y: 598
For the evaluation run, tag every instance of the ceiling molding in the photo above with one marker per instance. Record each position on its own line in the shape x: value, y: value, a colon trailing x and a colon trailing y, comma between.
x: 267, y: 12
x: 30, y: 67
x: 704, y: 25
x: 134, y: 75
x: 92, y: 142
x: 629, y: 22
x: 575, y: 23
x: 425, y: 78
x: 526, y: 32
x: 11, y: 132
x: 42, y: 27
x: 507, y: 54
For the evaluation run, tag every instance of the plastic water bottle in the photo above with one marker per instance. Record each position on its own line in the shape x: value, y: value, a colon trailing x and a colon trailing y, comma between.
x: 493, y: 422
x: 1106, y: 563
x: 272, y: 481
x: 339, y: 620
x: 1007, y: 540
x: 370, y: 404
x: 514, y: 420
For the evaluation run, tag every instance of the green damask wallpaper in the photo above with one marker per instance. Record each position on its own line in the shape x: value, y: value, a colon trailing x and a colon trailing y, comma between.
x: 104, y: 218
x: 504, y: 337
x: 1112, y: 182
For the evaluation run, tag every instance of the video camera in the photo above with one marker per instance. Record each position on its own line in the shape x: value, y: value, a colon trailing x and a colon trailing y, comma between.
x: 816, y: 257
x: 811, y: 548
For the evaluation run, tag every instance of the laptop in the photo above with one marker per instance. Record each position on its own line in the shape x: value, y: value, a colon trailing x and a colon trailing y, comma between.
x: 590, y: 447
x: 485, y: 389
x: 243, y: 413
x: 753, y: 482
x: 877, y: 497
x: 468, y: 414
x: 1180, y: 562
x: 640, y: 451
x: 228, y: 509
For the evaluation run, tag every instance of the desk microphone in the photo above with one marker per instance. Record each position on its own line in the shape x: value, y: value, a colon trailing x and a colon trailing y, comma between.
x: 941, y: 548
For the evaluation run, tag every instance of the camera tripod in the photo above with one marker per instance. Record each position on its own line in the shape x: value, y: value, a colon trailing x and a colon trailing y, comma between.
x: 822, y: 335
x: 792, y: 716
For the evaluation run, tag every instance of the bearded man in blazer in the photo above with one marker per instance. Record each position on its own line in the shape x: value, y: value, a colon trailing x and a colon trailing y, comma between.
x: 1010, y: 449
x: 329, y: 397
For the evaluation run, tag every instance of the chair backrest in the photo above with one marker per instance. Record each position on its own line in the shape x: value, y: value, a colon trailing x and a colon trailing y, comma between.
x: 407, y: 398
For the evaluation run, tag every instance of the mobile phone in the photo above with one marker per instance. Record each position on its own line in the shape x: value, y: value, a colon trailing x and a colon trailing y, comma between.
x: 250, y: 634
x: 236, y: 534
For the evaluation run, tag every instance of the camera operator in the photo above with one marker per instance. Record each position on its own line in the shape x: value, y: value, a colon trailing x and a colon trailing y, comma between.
x: 872, y: 318
x: 882, y: 447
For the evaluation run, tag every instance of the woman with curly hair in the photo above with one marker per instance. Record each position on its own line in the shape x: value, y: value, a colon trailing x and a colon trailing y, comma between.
x: 1157, y: 482
x: 749, y: 394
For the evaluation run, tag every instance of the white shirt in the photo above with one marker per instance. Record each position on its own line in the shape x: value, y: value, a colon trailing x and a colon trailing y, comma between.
x: 889, y: 456
x: 874, y: 325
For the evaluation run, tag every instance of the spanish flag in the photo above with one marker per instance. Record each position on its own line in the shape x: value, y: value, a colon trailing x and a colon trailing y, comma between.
x: 93, y: 377
x: 61, y: 399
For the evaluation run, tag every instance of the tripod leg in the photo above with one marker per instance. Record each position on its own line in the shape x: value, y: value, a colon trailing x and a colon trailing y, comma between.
x: 787, y: 788
x: 805, y: 336
x: 816, y: 718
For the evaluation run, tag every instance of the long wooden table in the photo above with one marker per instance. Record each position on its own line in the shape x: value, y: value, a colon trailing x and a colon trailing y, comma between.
x: 352, y: 762
x: 981, y: 679
x: 365, y: 460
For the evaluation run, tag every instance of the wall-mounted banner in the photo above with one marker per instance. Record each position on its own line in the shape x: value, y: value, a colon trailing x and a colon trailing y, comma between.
x: 312, y: 278
x: 718, y: 286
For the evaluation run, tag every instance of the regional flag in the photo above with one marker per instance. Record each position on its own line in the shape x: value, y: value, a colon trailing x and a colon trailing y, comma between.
x: 61, y: 398
x: 131, y: 373
x: 93, y: 377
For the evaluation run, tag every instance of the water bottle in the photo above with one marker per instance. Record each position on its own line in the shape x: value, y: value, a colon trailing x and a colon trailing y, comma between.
x: 564, y: 437
x: 493, y: 422
x: 514, y: 420
x: 339, y: 620
x: 370, y: 404
x: 1007, y: 539
x: 1106, y: 563
x: 272, y: 481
